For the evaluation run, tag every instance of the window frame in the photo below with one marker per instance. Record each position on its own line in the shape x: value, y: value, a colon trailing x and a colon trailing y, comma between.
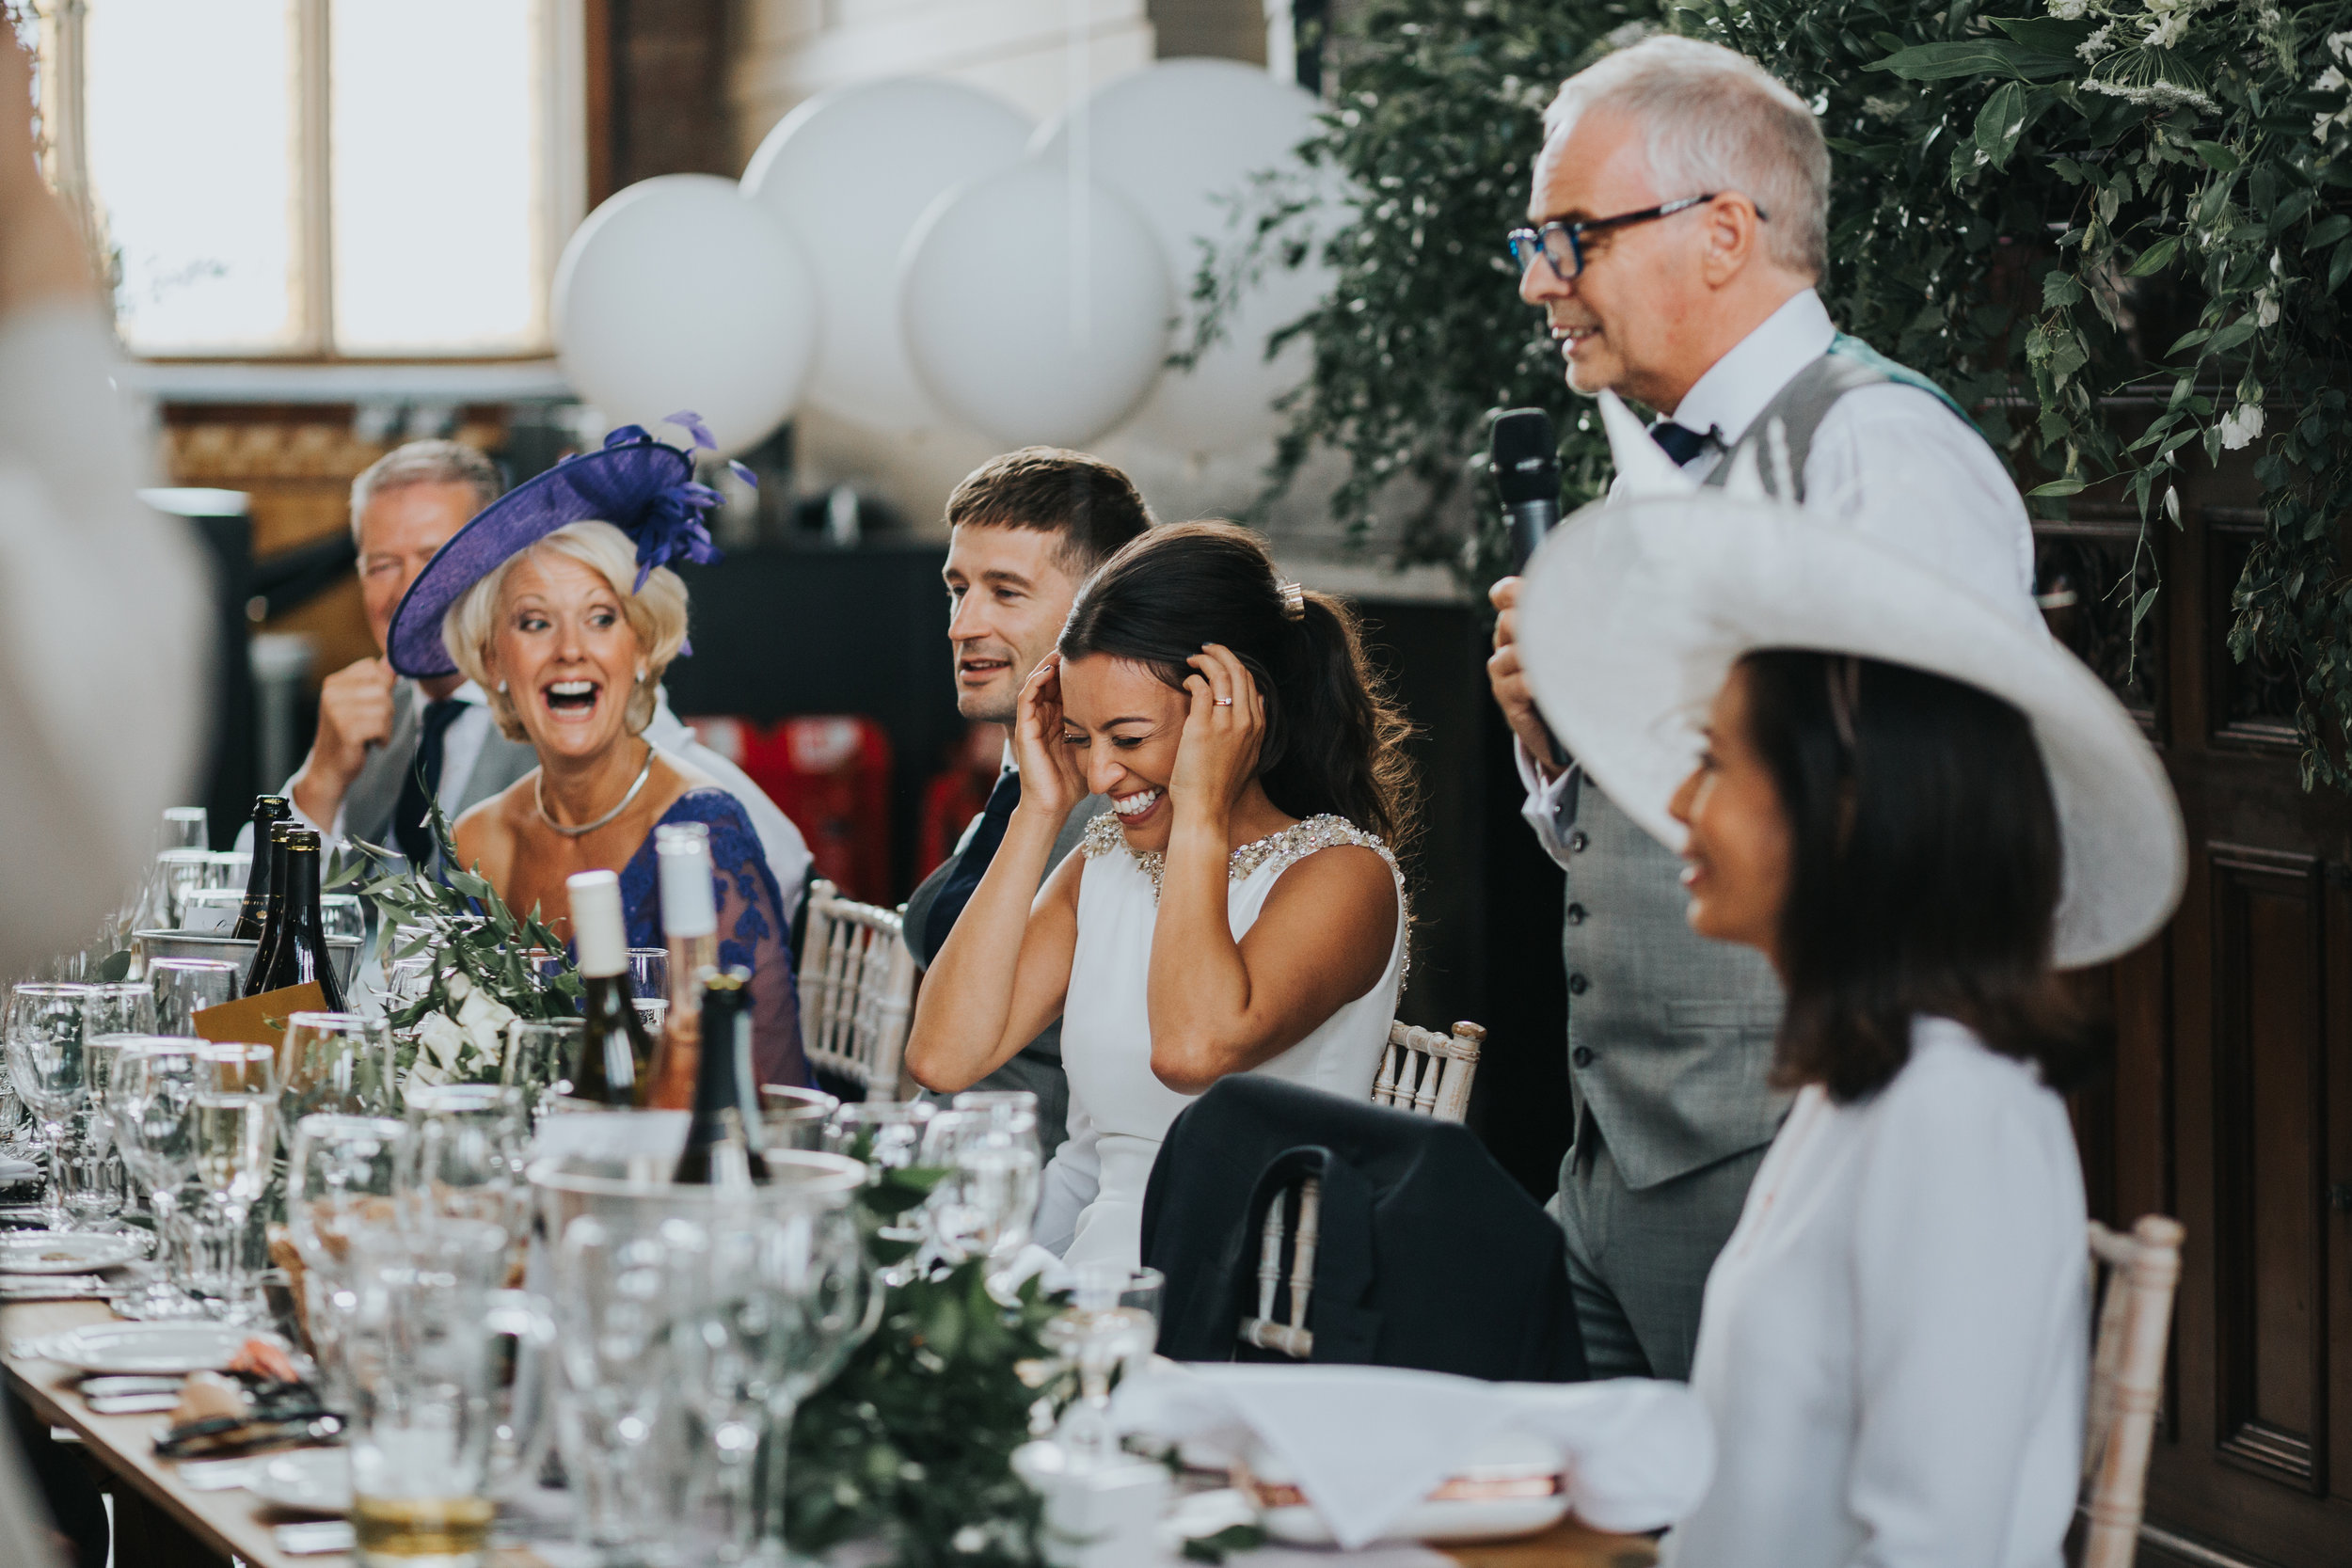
x: 564, y: 137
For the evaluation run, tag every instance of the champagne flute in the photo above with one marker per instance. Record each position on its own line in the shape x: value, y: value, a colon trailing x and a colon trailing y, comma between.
x: 150, y: 1099
x: 182, y: 988
x: 236, y: 1136
x: 341, y: 1175
x: 44, y: 1050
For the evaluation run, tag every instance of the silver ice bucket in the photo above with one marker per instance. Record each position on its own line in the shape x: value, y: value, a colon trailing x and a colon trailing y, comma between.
x: 343, y: 952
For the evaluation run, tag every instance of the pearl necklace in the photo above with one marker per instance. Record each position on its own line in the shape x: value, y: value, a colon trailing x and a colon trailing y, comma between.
x: 539, y: 798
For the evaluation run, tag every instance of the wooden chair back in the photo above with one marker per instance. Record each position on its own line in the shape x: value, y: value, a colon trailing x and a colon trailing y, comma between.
x: 2140, y: 1272
x: 1426, y: 1073
x: 857, y: 989
x: 1421, y: 1071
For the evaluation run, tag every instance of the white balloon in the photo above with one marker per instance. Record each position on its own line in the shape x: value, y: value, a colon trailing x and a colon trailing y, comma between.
x: 851, y: 173
x: 678, y: 293
x: 1182, y: 140
x: 1036, y: 305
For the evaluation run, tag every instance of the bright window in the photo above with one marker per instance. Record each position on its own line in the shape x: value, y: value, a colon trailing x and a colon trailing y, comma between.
x: 328, y: 179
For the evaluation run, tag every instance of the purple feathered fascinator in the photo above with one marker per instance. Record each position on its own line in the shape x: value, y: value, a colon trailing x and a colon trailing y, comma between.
x: 645, y: 488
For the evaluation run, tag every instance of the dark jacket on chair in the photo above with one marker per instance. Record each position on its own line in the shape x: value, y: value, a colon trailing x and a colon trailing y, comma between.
x: 1430, y: 1255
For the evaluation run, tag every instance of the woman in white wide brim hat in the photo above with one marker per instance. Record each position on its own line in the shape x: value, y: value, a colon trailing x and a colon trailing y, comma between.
x: 1919, y: 808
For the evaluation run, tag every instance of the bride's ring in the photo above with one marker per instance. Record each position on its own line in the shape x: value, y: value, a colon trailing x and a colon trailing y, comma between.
x: 1223, y: 702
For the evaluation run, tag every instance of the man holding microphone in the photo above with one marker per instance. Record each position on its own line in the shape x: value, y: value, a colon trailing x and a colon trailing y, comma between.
x: 1678, y: 228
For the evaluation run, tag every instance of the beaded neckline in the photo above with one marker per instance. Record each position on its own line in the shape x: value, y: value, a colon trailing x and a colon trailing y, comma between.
x: 1283, y: 849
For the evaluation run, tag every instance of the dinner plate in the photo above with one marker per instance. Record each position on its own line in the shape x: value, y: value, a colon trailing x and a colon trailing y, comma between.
x: 309, y: 1481
x: 145, y: 1347
x: 66, y: 1251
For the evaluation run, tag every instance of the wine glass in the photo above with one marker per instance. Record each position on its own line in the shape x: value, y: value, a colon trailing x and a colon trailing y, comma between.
x: 342, y: 1177
x: 539, y: 1054
x: 1109, y: 1329
x: 236, y: 1137
x: 885, y: 1133
x: 94, y: 1194
x: 338, y: 1061
x: 182, y: 988
x: 466, y: 1158
x: 119, y: 1008
x: 985, y: 1198
x: 150, y: 1099
x: 44, y: 1049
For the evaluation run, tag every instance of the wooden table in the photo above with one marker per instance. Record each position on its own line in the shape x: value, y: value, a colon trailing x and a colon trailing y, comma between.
x: 236, y: 1523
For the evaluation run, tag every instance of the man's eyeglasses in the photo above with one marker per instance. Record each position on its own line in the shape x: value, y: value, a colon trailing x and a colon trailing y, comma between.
x: 1561, y: 242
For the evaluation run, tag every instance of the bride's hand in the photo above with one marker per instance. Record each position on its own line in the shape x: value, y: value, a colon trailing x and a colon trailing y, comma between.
x: 1218, y: 755
x: 1050, y: 778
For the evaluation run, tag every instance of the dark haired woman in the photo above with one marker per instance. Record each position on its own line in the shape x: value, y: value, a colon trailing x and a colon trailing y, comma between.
x: 1917, y: 809
x: 1239, y: 910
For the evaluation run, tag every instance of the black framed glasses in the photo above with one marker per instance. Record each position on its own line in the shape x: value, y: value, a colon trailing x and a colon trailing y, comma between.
x: 1561, y: 242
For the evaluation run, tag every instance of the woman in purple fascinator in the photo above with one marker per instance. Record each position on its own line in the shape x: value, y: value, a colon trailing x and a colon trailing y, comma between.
x: 558, y: 600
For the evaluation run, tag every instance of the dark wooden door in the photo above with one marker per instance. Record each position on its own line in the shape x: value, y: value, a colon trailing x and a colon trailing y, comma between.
x: 2231, y: 1101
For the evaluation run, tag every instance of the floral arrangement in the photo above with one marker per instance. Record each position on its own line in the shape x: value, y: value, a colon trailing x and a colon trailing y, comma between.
x: 490, y: 967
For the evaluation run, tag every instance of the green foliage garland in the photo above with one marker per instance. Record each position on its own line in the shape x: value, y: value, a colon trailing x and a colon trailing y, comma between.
x: 2040, y: 205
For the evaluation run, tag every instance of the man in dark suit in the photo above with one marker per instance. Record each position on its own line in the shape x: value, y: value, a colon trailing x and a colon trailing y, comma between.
x: 1026, y: 530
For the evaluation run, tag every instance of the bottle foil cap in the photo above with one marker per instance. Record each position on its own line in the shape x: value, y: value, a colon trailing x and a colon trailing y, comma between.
x: 598, y: 924
x: 688, y: 906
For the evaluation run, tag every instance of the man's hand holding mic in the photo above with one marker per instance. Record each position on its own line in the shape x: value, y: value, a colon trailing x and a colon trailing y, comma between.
x: 355, y: 713
x: 1525, y: 463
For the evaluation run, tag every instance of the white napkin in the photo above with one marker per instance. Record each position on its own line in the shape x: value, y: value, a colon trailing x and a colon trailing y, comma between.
x: 1367, y: 1443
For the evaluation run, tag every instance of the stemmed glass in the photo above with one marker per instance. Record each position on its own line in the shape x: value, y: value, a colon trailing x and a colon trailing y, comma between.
x: 338, y: 1062
x: 539, y: 1052
x: 887, y: 1135
x: 183, y: 988
x: 990, y: 1161
x: 151, y: 1101
x: 236, y: 1136
x: 466, y: 1158
x: 44, y: 1049
x: 1111, y: 1327
x: 341, y: 1175
x: 94, y: 1194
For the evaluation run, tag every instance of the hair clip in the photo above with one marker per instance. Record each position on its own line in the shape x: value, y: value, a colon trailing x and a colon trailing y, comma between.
x: 1294, y: 600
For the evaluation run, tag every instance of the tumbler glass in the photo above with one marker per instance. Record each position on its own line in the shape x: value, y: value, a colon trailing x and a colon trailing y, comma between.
x: 464, y: 1161
x: 151, y: 1102
x: 539, y: 1052
x: 794, y: 1118
x: 237, y: 1142
x: 183, y: 988
x: 342, y: 1177
x: 338, y: 1061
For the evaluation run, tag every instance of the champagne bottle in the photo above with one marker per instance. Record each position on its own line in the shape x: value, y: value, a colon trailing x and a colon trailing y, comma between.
x: 299, y: 953
x: 268, y: 811
x: 615, y: 1052
x: 273, y: 912
x: 723, y: 1142
x: 689, y: 924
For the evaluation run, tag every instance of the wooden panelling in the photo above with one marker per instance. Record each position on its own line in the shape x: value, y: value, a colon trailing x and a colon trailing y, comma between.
x: 2269, y: 1135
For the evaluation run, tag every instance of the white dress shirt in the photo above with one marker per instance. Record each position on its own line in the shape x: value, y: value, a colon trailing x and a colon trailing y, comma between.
x: 1890, y: 461
x: 1893, y: 1348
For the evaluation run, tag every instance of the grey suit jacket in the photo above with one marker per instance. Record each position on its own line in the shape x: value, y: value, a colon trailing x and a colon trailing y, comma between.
x: 918, y: 908
x: 368, y: 803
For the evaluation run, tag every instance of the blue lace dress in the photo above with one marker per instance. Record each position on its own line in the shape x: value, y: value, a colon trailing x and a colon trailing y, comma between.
x: 751, y: 925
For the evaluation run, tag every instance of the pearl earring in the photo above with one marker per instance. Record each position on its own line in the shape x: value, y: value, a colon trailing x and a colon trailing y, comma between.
x: 502, y: 688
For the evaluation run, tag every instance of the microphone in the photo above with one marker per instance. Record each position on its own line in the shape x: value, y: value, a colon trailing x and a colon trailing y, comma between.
x: 1526, y: 458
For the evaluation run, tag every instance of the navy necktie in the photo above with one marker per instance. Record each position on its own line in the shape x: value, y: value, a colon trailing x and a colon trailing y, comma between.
x: 1680, y: 443
x: 973, y: 864
x: 411, y: 828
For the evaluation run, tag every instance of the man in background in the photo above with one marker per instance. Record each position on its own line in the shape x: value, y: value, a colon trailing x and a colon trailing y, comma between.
x: 1025, y: 530
x: 387, y: 746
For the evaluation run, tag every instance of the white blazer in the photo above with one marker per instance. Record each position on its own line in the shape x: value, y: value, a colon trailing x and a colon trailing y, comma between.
x: 1894, y: 1342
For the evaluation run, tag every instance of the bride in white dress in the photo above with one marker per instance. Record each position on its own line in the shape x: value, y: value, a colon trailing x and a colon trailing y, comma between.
x: 1239, y: 910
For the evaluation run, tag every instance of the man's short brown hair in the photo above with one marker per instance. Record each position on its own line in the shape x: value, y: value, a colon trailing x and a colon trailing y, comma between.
x: 1094, y: 506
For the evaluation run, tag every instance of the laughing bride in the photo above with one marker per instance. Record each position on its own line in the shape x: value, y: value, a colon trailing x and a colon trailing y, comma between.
x: 1238, y: 911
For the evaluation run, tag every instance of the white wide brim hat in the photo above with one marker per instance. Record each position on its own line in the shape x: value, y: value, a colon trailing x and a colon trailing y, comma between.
x: 1634, y: 612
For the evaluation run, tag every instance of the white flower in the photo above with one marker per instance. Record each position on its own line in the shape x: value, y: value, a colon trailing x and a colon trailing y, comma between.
x: 440, y: 1040
x: 2096, y: 44
x: 459, y: 988
x: 2330, y: 80
x: 484, y: 1018
x: 2070, y: 11
x: 2167, y: 33
x: 2340, y: 45
x: 2238, y: 429
x: 2266, y: 308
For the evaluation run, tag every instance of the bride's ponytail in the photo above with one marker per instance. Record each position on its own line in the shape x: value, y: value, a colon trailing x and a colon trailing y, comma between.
x: 1334, y: 739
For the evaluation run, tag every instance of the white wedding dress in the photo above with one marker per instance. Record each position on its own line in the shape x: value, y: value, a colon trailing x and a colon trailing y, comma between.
x: 1092, y: 1207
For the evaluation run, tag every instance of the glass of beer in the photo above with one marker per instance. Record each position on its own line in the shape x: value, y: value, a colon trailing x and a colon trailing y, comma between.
x: 424, y: 1361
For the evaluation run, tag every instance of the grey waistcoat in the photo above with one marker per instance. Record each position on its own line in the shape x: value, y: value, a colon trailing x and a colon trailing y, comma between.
x: 1670, y: 1036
